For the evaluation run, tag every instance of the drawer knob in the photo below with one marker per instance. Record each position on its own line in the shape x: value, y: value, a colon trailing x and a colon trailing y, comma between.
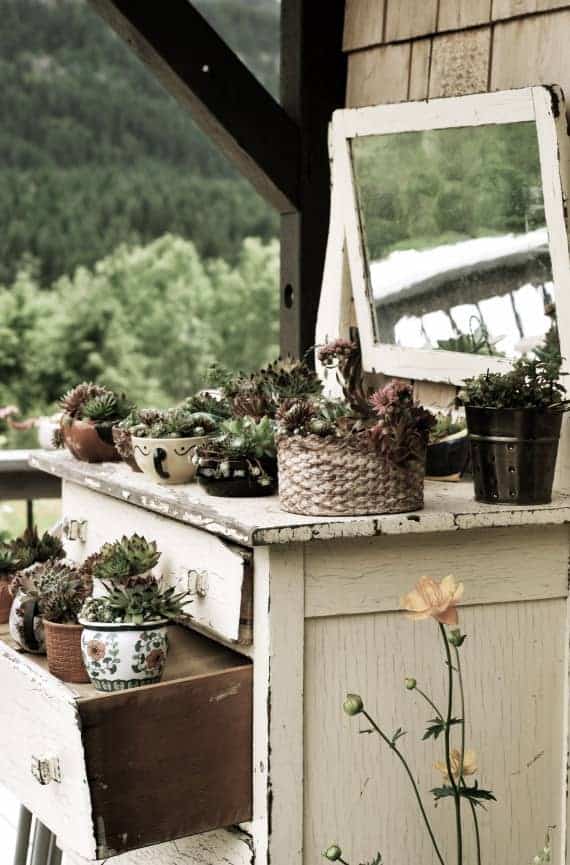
x: 46, y: 770
x: 198, y: 583
x: 74, y: 530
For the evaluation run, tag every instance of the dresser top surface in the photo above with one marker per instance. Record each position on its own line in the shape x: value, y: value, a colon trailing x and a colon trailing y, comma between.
x: 260, y: 521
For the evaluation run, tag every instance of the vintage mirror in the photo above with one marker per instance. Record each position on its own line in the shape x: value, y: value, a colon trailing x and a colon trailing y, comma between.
x: 448, y: 223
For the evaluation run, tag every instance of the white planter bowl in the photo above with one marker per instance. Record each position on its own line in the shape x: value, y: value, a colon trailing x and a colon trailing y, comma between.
x: 167, y: 461
x: 26, y: 628
x: 120, y: 656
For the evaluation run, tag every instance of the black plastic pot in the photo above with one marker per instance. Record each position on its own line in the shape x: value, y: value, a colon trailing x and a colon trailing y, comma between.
x: 240, y: 485
x: 513, y: 452
x: 449, y: 456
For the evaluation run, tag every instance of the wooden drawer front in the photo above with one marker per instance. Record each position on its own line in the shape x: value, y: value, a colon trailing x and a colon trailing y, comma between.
x: 219, y: 573
x: 138, y: 767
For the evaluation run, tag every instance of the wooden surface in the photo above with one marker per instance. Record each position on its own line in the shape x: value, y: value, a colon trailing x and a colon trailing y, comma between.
x: 190, y: 559
x: 448, y: 507
x: 515, y: 670
x: 19, y: 480
x: 408, y: 18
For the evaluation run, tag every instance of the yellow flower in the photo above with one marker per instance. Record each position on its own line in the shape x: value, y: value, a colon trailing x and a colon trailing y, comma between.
x: 469, y: 764
x: 438, y: 600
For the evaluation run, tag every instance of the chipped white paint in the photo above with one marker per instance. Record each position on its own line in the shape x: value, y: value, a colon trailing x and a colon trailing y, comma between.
x: 508, y: 106
x: 184, y: 551
x: 210, y: 848
x: 252, y: 522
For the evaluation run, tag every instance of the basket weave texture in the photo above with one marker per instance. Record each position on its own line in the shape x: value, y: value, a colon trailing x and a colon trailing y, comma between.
x: 63, y: 647
x: 5, y: 602
x: 345, y: 477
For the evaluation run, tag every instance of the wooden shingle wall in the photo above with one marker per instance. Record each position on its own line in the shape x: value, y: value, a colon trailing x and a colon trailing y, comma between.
x: 417, y: 49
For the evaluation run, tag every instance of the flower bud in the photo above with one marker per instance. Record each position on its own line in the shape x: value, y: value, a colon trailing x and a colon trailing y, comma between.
x: 456, y: 638
x: 333, y: 853
x: 353, y: 704
x: 410, y: 684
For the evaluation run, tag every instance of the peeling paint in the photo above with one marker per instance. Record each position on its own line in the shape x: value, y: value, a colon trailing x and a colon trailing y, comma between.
x: 229, y: 692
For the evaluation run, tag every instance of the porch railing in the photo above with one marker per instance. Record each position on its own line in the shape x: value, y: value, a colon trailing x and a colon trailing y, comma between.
x: 20, y: 482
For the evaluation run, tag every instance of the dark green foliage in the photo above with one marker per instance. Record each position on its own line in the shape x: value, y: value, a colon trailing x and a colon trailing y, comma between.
x: 475, y: 794
x: 175, y: 423
x: 30, y: 548
x: 89, y: 401
x: 124, y: 561
x: 60, y: 590
x: 243, y: 447
x: 530, y: 384
x: 217, y: 406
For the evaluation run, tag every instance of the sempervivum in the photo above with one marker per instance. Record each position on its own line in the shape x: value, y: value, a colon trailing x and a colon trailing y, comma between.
x: 73, y: 401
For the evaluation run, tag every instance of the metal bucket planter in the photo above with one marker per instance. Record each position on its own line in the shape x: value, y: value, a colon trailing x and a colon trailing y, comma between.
x: 448, y: 457
x: 513, y: 452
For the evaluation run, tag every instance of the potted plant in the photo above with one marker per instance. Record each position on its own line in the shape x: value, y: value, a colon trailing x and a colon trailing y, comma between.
x: 16, y: 559
x: 90, y: 411
x: 514, y: 421
x: 163, y: 444
x: 240, y: 461
x: 448, y: 448
x: 59, y: 590
x: 124, y: 641
x: 363, y: 455
x: 122, y: 437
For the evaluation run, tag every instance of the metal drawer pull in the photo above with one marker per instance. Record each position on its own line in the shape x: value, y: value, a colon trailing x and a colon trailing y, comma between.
x: 74, y: 530
x: 198, y: 583
x: 46, y: 770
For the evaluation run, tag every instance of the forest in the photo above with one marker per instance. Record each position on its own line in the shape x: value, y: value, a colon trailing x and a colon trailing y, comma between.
x: 130, y: 247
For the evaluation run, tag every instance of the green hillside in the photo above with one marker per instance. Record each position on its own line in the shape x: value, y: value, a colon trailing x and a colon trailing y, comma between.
x: 93, y: 152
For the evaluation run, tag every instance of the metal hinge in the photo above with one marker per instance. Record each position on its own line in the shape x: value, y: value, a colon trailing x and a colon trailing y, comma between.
x: 46, y: 770
x: 74, y: 530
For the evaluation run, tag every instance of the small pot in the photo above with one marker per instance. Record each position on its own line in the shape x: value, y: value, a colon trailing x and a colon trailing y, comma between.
x: 26, y: 625
x: 237, y: 482
x: 513, y: 453
x: 449, y: 456
x: 5, y: 602
x: 90, y: 442
x: 124, y: 445
x: 64, y: 656
x: 167, y: 461
x: 120, y: 656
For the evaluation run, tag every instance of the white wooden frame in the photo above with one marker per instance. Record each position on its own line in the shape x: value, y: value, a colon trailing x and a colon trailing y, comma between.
x: 541, y: 105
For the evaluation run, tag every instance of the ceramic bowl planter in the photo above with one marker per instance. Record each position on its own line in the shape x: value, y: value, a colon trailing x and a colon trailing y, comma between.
x: 26, y: 625
x: 122, y: 656
x: 64, y: 655
x: 167, y: 460
x: 89, y: 442
x: 5, y: 602
x: 513, y: 451
x: 448, y: 457
x: 124, y: 445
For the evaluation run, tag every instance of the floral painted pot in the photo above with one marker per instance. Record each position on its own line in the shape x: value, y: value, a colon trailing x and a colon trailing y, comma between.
x: 167, y: 461
x: 26, y: 626
x: 5, y: 602
x: 119, y: 656
x: 89, y: 442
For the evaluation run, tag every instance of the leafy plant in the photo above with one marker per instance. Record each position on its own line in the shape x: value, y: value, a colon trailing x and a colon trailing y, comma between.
x: 207, y: 403
x: 174, y: 423
x: 89, y: 401
x: 125, y: 562
x: 28, y: 549
x: 243, y: 447
x: 445, y: 425
x: 530, y: 384
x: 60, y: 590
x: 135, y: 605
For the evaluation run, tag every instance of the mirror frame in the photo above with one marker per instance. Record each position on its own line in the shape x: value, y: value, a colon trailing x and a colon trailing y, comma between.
x: 346, y: 270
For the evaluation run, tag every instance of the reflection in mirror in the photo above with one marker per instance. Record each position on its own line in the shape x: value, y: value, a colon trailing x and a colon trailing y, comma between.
x: 455, y: 239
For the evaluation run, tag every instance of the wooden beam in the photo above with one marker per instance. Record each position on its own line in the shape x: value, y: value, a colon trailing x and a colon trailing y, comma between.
x: 313, y: 83
x: 18, y: 480
x: 226, y: 100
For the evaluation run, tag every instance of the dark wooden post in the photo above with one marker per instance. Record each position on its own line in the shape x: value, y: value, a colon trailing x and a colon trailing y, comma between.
x: 313, y: 82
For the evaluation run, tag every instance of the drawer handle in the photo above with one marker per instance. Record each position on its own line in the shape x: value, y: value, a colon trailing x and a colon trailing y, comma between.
x: 74, y: 530
x: 46, y: 770
x: 198, y: 583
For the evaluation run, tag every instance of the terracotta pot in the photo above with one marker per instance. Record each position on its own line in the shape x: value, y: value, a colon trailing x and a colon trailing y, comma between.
x: 90, y: 442
x: 167, y: 461
x: 64, y: 655
x: 121, y: 656
x: 123, y: 443
x: 5, y: 602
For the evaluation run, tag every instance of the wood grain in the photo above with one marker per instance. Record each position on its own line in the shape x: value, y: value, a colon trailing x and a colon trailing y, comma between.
x: 512, y: 8
x: 515, y: 672
x: 420, y: 69
x: 496, y: 566
x: 408, y: 18
x: 460, y: 63
x: 459, y: 14
x: 363, y: 23
x: 532, y: 49
x: 378, y: 75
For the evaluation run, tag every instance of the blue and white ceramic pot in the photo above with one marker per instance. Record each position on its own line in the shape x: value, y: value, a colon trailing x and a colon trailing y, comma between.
x: 121, y: 656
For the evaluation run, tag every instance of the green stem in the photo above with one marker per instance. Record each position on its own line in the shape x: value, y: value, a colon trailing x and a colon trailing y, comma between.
x: 462, y: 779
x: 476, y: 826
x: 404, y: 763
x: 431, y: 703
x: 456, y: 794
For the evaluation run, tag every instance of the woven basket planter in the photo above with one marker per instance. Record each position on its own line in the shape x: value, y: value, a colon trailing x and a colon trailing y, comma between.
x: 64, y: 656
x: 5, y: 602
x: 345, y: 477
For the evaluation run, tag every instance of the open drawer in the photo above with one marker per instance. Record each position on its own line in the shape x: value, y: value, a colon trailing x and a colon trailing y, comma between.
x: 108, y: 773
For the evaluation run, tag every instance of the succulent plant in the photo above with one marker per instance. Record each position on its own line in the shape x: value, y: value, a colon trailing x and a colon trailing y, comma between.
x: 135, y: 604
x: 207, y: 403
x: 243, y: 447
x: 125, y: 562
x: 59, y: 588
x: 529, y: 384
x: 89, y: 401
x: 346, y: 356
x: 8, y: 562
x: 30, y: 548
x: 403, y: 426
x: 174, y: 423
x: 291, y: 379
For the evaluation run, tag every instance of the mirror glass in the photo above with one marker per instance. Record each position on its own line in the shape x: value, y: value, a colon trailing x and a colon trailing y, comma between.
x: 455, y: 239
